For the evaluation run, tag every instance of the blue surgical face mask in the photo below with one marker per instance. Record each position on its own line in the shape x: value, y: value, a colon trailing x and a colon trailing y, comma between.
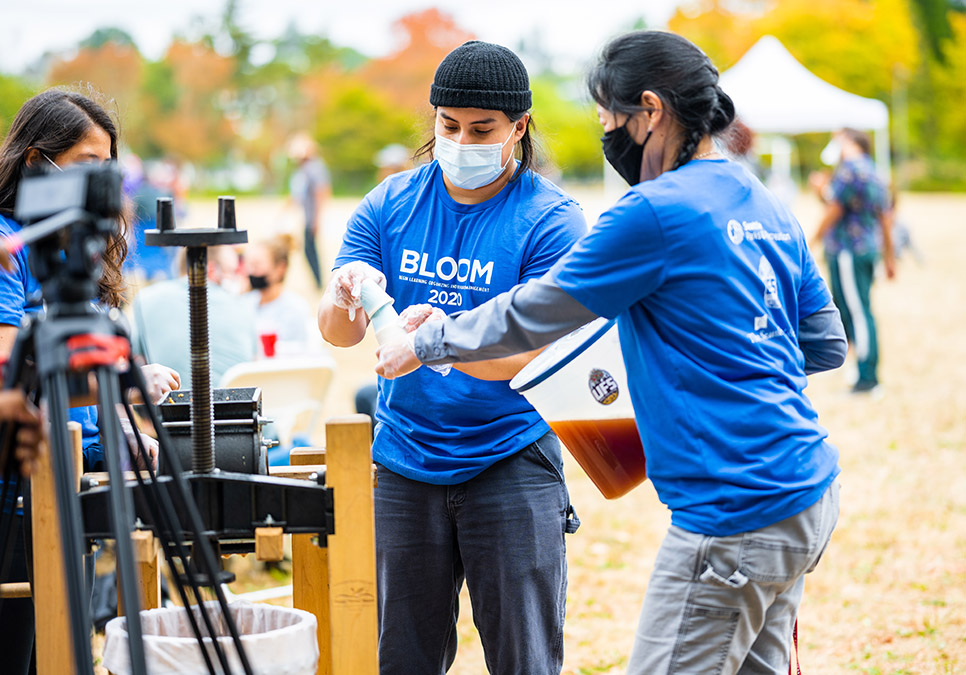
x: 56, y: 166
x: 471, y: 166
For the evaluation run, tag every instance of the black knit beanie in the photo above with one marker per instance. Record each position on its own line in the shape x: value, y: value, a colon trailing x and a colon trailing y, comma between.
x: 481, y: 75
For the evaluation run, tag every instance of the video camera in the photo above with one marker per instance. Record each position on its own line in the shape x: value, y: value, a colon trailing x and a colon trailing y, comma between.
x: 93, y: 188
x: 68, y: 218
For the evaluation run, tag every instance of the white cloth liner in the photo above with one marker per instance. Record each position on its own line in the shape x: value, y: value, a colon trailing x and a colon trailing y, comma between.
x: 277, y: 641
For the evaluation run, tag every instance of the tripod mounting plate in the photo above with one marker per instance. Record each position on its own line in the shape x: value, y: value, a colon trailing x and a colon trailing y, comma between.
x: 195, y: 236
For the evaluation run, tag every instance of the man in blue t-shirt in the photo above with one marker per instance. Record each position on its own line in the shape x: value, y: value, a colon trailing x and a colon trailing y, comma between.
x: 470, y: 477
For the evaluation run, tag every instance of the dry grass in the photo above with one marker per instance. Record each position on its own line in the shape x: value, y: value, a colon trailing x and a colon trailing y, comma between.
x: 890, y: 595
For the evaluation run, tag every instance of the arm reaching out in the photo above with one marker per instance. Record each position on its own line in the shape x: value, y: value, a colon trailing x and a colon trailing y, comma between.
x: 525, y: 318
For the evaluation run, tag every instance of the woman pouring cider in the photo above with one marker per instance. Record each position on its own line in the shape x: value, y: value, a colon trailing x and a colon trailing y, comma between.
x: 722, y: 313
x: 470, y: 477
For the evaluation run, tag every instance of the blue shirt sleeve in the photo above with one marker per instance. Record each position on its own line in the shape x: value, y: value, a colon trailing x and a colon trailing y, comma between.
x: 13, y: 290
x: 813, y: 294
x: 619, y: 262
x: 561, y: 228
x: 362, y: 240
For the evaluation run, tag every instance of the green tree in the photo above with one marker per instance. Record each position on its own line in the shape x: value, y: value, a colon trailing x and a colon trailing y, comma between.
x: 567, y: 129
x: 13, y: 93
x: 102, y: 36
x: 353, y: 123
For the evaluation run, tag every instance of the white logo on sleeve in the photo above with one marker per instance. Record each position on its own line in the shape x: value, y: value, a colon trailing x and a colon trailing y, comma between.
x: 767, y: 274
x: 736, y: 233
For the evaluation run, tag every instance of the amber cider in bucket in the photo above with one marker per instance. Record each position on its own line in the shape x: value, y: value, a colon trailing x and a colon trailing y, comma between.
x: 579, y: 386
x: 609, y: 451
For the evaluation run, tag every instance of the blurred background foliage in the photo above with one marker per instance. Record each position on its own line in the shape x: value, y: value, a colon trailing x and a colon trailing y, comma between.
x: 219, y: 99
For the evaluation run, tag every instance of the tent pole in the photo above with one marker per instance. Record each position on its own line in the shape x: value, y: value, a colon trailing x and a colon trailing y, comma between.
x: 883, y: 159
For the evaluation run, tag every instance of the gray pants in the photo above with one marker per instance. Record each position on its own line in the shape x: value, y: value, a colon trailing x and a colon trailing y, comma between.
x: 728, y: 604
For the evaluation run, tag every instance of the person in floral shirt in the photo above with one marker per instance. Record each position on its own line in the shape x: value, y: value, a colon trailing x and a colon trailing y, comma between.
x: 856, y: 232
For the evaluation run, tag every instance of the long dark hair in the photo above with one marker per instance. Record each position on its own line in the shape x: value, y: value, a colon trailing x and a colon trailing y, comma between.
x: 673, y: 68
x: 53, y: 122
x: 526, y: 145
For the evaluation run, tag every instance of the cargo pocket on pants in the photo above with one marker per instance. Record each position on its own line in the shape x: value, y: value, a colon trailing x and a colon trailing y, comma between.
x: 704, y: 640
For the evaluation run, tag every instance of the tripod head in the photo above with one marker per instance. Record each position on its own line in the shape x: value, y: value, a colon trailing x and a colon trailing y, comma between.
x: 68, y: 219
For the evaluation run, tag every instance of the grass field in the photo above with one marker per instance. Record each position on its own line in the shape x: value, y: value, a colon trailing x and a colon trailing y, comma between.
x: 890, y: 595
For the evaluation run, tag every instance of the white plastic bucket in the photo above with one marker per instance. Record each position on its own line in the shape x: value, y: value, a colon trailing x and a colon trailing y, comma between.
x: 579, y: 386
x: 277, y: 641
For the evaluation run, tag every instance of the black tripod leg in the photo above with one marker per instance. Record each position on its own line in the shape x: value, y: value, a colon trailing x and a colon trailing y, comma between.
x: 172, y: 536
x: 200, y: 543
x: 62, y: 464
x: 122, y: 512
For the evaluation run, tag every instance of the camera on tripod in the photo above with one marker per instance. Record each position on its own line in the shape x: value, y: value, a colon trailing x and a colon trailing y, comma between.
x: 68, y: 218
x: 93, y: 188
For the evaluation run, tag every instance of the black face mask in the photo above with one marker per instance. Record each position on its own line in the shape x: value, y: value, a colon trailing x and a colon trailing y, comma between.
x: 624, y: 154
x: 258, y: 282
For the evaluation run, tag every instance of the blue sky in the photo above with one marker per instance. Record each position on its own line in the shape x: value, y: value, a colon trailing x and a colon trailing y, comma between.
x: 571, y: 30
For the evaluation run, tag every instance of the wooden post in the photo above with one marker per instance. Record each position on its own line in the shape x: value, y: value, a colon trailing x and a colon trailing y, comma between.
x: 147, y: 560
x: 147, y: 555
x: 51, y: 616
x: 352, y: 549
x: 310, y: 573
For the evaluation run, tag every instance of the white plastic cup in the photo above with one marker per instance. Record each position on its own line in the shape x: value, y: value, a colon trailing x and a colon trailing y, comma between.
x: 579, y: 386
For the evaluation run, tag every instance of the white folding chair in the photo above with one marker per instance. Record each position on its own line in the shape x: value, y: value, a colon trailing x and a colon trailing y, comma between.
x: 293, y: 391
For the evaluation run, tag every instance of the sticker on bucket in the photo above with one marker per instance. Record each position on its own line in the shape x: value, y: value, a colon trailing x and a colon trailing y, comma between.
x: 603, y: 387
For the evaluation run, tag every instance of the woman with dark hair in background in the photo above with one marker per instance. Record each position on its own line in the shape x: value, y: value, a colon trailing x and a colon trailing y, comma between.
x: 470, y: 477
x: 722, y: 314
x: 54, y: 129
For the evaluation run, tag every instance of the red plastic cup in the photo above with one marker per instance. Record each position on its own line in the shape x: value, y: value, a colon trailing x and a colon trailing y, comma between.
x: 268, y: 343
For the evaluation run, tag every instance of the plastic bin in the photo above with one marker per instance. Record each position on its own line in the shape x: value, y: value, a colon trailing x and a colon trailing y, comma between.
x: 579, y: 386
x: 277, y: 641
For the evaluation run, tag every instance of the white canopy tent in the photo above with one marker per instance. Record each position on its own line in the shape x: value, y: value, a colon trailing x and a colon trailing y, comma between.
x: 775, y: 94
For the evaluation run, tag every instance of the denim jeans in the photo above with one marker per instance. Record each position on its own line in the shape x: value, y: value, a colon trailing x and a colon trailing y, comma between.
x: 717, y: 605
x: 503, y: 532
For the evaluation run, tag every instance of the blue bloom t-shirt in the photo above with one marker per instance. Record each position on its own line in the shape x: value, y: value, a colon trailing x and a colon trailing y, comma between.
x: 19, y: 294
x: 708, y: 276
x: 432, y: 249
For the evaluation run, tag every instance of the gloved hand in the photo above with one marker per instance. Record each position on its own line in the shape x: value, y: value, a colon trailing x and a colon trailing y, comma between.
x: 415, y: 316
x: 160, y: 380
x: 345, y: 288
x: 151, y: 445
x: 397, y: 358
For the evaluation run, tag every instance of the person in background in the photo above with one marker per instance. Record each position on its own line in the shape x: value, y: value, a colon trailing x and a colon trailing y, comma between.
x: 856, y: 231
x: 160, y: 319
x: 722, y: 314
x: 471, y: 480
x: 393, y: 158
x: 310, y: 188
x: 278, y: 312
x: 53, y: 130
x: 149, y: 263
x: 739, y: 144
